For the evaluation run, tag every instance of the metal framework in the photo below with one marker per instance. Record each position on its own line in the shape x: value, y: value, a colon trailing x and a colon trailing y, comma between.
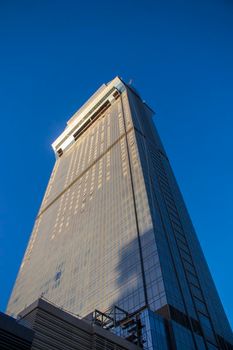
x: 116, y: 317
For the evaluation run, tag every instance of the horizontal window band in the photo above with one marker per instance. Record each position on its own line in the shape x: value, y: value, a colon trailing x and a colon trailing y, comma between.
x: 93, y: 118
x: 88, y: 114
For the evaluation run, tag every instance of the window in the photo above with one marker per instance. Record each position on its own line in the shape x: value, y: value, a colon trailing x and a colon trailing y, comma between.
x: 57, y: 276
x: 193, y: 279
x: 196, y: 291
x: 200, y: 306
x: 189, y: 267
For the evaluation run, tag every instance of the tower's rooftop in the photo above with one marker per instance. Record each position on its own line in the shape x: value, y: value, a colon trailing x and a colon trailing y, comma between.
x: 98, y: 102
x: 100, y: 92
x: 104, y: 94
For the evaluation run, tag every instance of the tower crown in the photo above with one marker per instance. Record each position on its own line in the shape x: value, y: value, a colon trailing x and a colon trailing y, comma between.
x: 84, y: 117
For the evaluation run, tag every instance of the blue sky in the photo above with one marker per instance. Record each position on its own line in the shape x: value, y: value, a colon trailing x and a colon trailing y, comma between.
x: 55, y: 54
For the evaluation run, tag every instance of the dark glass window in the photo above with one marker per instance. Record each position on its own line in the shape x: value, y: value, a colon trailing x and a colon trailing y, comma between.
x: 57, y: 276
x: 196, y: 291
x: 200, y: 305
x: 193, y: 279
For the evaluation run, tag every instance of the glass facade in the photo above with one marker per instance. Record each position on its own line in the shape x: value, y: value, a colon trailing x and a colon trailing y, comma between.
x: 113, y: 229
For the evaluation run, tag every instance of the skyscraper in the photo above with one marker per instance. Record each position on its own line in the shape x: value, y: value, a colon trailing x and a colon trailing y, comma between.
x: 113, y: 229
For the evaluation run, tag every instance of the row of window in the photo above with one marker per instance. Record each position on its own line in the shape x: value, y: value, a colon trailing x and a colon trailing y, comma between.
x: 184, y: 250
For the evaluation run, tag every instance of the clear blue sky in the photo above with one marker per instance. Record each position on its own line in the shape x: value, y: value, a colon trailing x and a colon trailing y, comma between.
x: 54, y: 54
